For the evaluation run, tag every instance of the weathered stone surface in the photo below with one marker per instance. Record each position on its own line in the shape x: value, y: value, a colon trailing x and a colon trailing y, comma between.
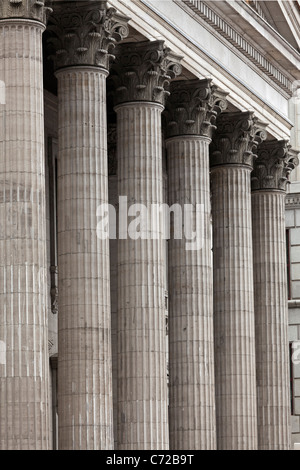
x: 273, y: 166
x: 142, y: 372
x: 24, y: 367
x: 271, y: 320
x: 84, y: 327
x: 269, y: 181
x: 143, y: 71
x: 25, y: 9
x: 191, y: 355
x: 234, y: 329
x: 113, y: 245
x: 85, y: 33
x: 84, y: 36
x: 190, y: 119
x: 234, y: 334
x: 236, y: 139
x: 192, y: 108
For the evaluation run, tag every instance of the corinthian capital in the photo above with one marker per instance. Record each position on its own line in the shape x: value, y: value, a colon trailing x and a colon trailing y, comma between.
x: 85, y: 33
x: 193, y: 107
x: 236, y: 139
x: 273, y: 166
x: 25, y: 9
x: 143, y: 71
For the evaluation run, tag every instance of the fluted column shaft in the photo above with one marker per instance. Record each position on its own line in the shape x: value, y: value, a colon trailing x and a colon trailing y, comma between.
x: 141, y: 73
x: 269, y: 178
x: 84, y: 364
x: 84, y: 34
x: 24, y: 366
x: 271, y: 320
x: 233, y: 308
x: 190, y: 117
x: 232, y: 156
x: 191, y: 357
x: 142, y: 373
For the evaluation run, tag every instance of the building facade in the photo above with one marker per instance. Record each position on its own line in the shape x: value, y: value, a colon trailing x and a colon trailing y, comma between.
x: 293, y: 241
x: 117, y: 329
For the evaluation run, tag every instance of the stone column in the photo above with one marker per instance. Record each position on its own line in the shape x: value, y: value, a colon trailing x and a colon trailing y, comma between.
x: 83, y: 35
x: 269, y: 178
x: 24, y: 364
x: 232, y: 163
x: 141, y: 73
x: 191, y: 113
x: 113, y: 246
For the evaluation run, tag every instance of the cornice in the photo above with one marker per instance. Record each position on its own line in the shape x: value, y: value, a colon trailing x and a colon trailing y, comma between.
x: 292, y: 15
x: 292, y: 201
x: 243, y: 46
x: 255, y: 5
x: 152, y: 23
x: 288, y: 9
x: 295, y: 303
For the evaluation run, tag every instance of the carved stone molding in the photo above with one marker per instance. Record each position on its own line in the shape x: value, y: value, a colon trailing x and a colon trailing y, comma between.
x: 25, y: 9
x: 204, y: 11
x: 143, y: 71
x: 236, y: 139
x: 193, y: 107
x: 293, y: 201
x: 273, y: 166
x: 85, y: 33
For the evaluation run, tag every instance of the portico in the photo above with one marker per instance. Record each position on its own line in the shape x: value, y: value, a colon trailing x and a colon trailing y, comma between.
x: 134, y: 117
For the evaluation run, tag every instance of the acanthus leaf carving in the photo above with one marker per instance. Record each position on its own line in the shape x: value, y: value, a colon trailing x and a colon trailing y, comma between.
x: 85, y: 34
x: 276, y: 159
x: 143, y: 72
x: 193, y: 107
x: 237, y: 138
